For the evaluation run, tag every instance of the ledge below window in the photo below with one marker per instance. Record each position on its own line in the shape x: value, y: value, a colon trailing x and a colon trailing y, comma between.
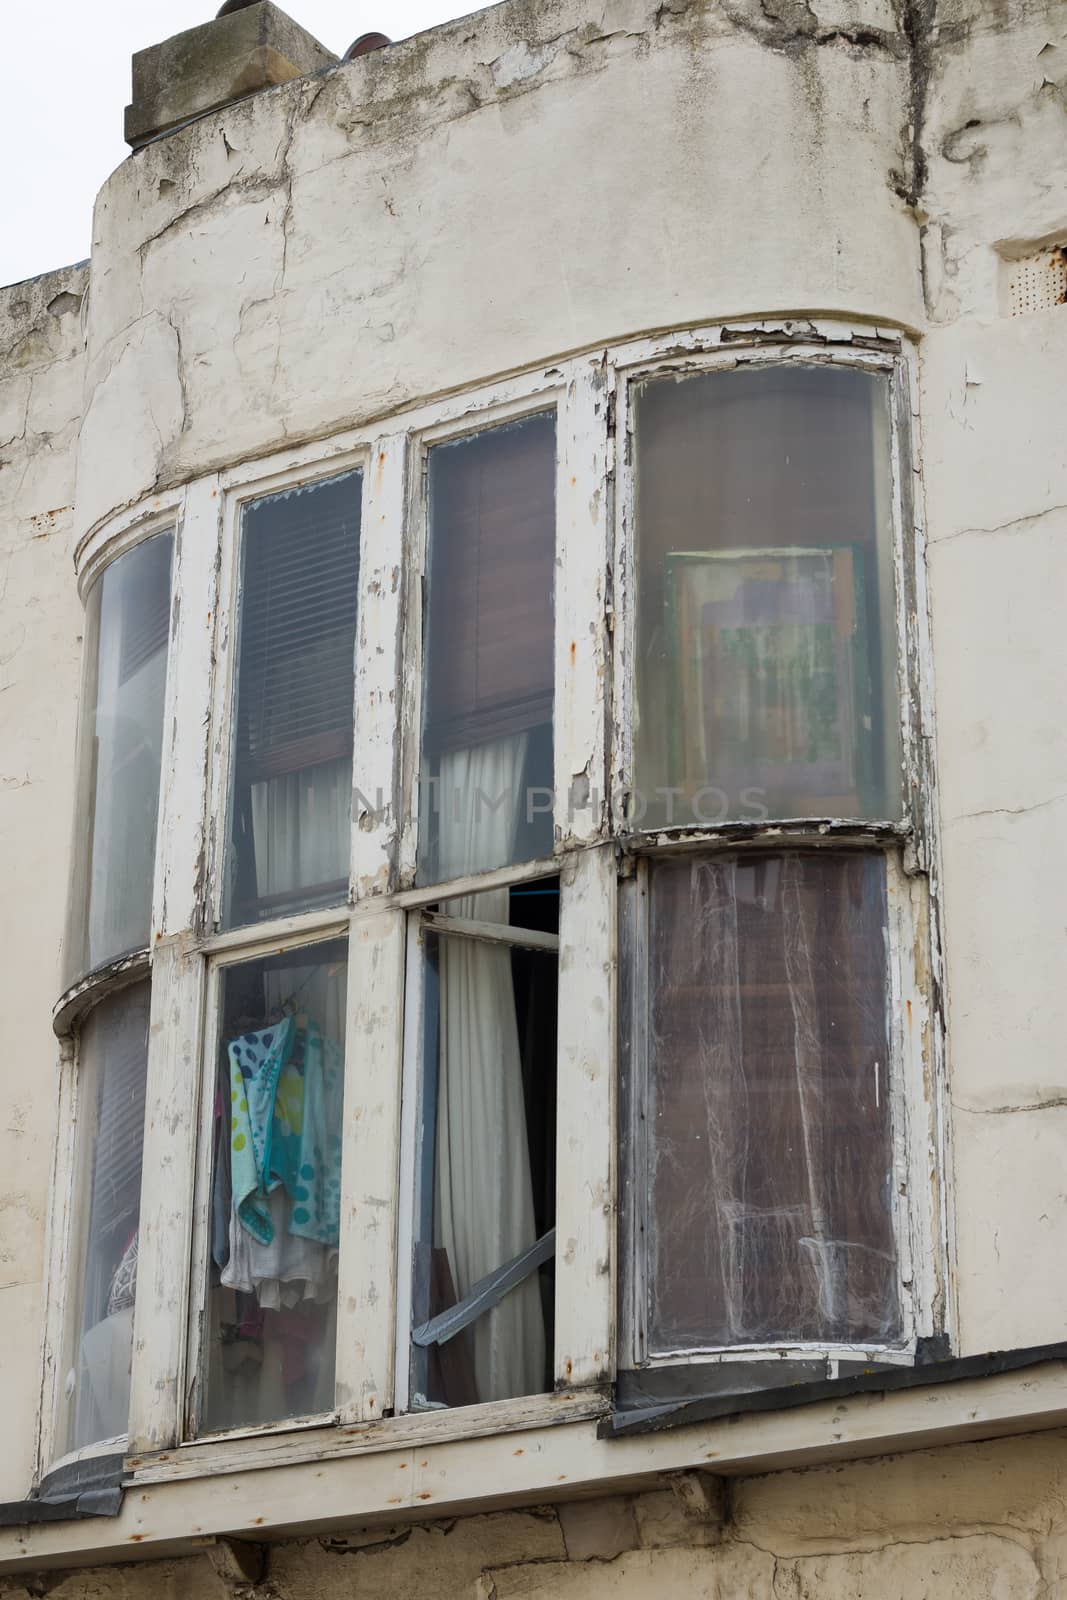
x: 984, y: 1397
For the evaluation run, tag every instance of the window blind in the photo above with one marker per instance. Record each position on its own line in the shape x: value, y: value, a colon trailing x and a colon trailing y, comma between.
x: 146, y: 616
x: 489, y: 647
x: 298, y: 629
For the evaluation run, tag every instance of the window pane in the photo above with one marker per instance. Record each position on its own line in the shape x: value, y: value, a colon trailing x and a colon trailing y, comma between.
x: 485, y: 1184
x: 766, y: 663
x: 276, y: 1189
x: 292, y: 764
x: 487, y: 742
x: 768, y: 1103
x: 106, y: 1204
x: 120, y: 742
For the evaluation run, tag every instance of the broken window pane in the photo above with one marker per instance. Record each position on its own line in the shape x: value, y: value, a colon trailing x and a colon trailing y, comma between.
x: 766, y: 672
x: 291, y: 803
x: 486, y: 776
x: 120, y: 743
x: 271, y: 1315
x: 106, y: 1205
x: 485, y: 1167
x: 769, y: 1146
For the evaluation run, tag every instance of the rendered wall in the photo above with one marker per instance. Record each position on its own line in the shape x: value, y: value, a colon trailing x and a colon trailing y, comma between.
x: 536, y: 179
x: 41, y: 371
x: 975, y: 1522
x: 995, y: 469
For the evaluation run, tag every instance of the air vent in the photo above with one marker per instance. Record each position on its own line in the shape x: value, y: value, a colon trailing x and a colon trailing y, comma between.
x: 1037, y: 282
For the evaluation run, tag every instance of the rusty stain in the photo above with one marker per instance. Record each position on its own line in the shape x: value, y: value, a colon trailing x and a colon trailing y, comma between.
x: 425, y: 1495
x: 135, y: 1538
x: 519, y: 1452
x: 574, y: 652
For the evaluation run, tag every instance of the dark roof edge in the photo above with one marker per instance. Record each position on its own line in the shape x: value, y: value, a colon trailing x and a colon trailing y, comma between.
x: 88, y: 1488
x: 715, y: 1408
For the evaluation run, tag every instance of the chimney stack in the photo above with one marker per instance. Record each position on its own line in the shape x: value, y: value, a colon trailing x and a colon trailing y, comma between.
x: 250, y: 45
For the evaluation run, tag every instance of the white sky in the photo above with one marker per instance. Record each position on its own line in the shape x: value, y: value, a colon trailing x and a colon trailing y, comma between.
x: 64, y: 85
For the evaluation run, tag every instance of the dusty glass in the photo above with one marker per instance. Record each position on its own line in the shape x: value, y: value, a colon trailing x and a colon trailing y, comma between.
x: 486, y: 773
x: 105, y: 1206
x: 766, y: 666
x: 271, y: 1318
x: 291, y: 791
x: 120, y: 742
x: 768, y: 1159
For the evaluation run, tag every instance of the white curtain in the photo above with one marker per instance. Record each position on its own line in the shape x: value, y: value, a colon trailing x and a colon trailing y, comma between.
x: 301, y: 827
x: 483, y: 1197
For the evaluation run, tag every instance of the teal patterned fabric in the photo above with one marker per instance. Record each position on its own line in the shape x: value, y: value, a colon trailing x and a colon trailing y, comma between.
x: 286, y: 1089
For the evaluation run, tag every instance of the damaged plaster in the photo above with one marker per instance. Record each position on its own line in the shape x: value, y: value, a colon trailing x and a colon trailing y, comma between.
x: 535, y: 180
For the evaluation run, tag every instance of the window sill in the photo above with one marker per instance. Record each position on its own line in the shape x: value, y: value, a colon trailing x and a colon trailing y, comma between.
x: 250, y: 1451
x: 393, y: 1482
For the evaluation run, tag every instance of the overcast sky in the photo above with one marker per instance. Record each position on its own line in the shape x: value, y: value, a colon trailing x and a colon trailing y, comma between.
x: 65, y: 82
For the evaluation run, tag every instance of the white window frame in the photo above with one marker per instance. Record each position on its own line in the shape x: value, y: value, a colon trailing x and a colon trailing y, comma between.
x: 593, y: 629
x: 908, y: 843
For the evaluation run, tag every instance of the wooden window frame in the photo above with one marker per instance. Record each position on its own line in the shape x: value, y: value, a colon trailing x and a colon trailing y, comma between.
x: 593, y: 628
x: 908, y: 843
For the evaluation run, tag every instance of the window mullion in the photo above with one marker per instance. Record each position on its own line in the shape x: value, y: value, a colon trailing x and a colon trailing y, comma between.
x: 369, y: 1161
x: 173, y: 1074
x: 176, y: 904
x: 167, y: 1197
x: 381, y: 595
x: 585, y: 1120
x: 917, y: 1141
x: 581, y: 643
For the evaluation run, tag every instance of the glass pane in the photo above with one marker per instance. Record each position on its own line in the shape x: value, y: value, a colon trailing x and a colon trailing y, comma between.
x: 106, y: 1203
x: 768, y: 1115
x: 276, y: 1189
x: 486, y: 1178
x: 766, y: 662
x: 292, y: 760
x: 486, y: 798
x: 120, y: 742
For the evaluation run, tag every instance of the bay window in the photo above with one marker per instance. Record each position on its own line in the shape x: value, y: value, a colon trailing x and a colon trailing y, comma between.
x: 541, y: 928
x: 120, y: 741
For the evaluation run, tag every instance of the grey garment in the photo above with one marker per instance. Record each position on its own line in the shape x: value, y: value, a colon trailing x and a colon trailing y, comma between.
x: 221, y: 1191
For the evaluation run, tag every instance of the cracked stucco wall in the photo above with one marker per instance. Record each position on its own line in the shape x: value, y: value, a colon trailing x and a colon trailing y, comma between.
x: 995, y: 462
x: 538, y: 178
x: 972, y: 1522
x: 42, y: 351
x: 531, y: 180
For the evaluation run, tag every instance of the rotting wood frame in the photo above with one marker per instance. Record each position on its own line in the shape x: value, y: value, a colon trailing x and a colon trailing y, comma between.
x: 908, y: 843
x: 593, y: 850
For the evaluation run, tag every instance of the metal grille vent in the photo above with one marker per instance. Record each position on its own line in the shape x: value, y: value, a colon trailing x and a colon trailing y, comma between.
x: 1037, y: 283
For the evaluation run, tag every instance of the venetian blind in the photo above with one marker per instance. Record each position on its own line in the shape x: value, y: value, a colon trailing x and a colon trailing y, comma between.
x: 298, y: 629
x: 492, y: 562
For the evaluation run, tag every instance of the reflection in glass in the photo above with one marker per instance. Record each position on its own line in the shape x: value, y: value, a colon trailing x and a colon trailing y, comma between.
x: 292, y: 760
x: 485, y: 1183
x: 120, y: 741
x: 486, y: 795
x: 276, y: 1189
x: 766, y: 666
x: 106, y: 1203
x: 769, y: 1160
